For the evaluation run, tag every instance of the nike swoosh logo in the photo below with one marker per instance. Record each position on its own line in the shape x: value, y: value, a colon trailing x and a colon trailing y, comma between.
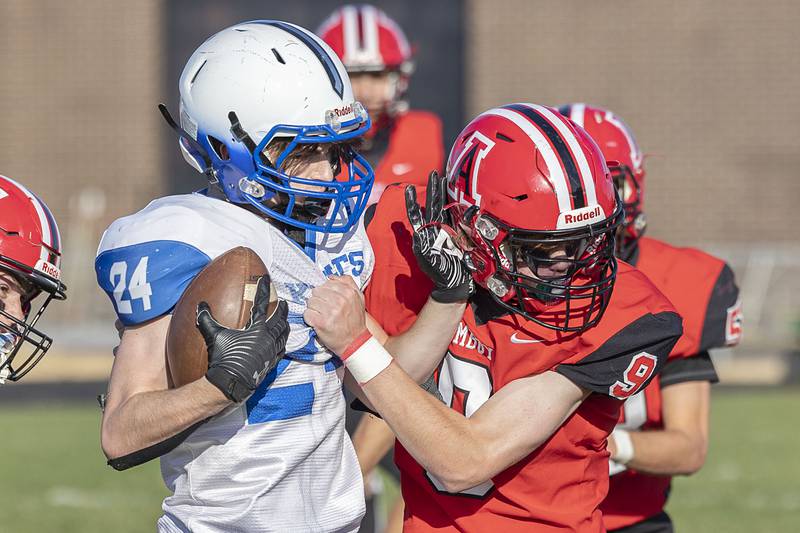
x: 517, y: 340
x: 402, y: 168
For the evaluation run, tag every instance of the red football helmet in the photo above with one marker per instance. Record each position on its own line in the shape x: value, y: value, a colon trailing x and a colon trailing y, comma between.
x: 367, y: 40
x: 532, y: 192
x: 30, y: 250
x: 626, y: 163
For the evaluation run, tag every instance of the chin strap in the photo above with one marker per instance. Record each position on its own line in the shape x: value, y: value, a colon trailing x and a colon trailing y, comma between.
x: 207, y: 169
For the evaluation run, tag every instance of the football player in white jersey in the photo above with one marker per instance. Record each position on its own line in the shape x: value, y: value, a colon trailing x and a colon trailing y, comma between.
x: 258, y: 444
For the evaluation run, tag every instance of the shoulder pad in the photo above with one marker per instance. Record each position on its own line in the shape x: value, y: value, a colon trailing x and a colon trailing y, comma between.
x: 146, y: 260
x: 146, y: 280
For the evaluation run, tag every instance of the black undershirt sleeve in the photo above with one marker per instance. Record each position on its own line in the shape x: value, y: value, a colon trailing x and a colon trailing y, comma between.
x: 699, y: 367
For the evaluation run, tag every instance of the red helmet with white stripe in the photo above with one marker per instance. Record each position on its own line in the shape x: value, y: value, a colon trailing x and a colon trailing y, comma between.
x: 626, y: 163
x: 533, y: 193
x: 367, y: 40
x: 30, y: 250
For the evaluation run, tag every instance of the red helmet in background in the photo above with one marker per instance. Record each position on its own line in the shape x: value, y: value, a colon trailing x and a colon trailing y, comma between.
x: 30, y: 250
x: 533, y: 193
x: 620, y: 149
x: 367, y: 40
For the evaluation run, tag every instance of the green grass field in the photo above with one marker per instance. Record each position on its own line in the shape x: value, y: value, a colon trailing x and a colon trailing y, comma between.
x: 751, y: 480
x: 54, y: 476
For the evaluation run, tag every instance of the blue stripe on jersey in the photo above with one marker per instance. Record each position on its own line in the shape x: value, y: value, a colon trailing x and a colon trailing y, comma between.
x: 146, y: 280
x: 327, y: 63
x: 271, y: 403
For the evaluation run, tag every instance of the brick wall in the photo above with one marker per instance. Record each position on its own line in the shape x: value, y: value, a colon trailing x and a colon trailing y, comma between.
x: 78, y: 123
x: 711, y: 89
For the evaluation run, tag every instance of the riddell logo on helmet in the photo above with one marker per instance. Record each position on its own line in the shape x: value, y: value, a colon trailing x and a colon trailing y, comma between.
x: 343, y: 111
x: 584, y: 216
x: 48, y: 268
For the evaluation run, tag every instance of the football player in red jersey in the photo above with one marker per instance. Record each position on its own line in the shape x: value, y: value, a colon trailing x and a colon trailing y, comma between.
x: 554, y: 336
x: 663, y: 430
x: 30, y: 259
x: 403, y: 144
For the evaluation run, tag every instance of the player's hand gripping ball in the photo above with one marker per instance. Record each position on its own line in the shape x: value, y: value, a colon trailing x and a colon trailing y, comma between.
x: 239, y: 359
x: 228, y: 285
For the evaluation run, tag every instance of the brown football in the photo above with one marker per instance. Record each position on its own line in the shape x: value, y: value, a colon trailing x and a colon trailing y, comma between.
x: 228, y: 285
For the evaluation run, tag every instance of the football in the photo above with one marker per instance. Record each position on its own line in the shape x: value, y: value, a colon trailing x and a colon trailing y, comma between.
x: 228, y: 285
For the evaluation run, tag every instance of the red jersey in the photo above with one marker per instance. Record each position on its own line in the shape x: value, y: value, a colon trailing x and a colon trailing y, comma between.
x: 703, y: 290
x: 559, y: 485
x: 407, y: 151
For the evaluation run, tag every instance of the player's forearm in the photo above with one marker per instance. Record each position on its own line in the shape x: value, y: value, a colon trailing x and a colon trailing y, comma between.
x: 372, y: 440
x: 147, y: 418
x: 421, y: 348
x: 441, y: 440
x: 667, y: 452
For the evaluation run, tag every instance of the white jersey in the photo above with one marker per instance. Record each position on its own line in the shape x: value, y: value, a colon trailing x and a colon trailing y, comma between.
x: 281, y: 461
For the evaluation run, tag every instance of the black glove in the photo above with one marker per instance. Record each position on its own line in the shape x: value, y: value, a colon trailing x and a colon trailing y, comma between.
x: 239, y: 359
x: 434, y: 249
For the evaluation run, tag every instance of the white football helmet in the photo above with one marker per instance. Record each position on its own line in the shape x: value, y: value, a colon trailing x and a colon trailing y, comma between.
x: 266, y: 79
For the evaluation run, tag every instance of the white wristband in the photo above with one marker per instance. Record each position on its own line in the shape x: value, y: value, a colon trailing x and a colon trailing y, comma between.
x: 624, y: 444
x: 369, y: 360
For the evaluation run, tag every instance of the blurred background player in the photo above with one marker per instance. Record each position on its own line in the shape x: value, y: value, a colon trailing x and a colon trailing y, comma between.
x: 663, y: 430
x: 30, y: 261
x: 554, y: 334
x: 403, y: 145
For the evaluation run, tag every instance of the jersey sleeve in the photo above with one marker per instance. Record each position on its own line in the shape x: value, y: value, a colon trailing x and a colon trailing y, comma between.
x: 628, y: 360
x: 722, y: 325
x: 146, y: 260
x: 697, y: 368
x: 146, y: 280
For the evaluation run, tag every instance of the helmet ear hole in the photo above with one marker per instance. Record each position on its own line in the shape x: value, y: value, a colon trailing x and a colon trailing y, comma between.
x: 219, y: 148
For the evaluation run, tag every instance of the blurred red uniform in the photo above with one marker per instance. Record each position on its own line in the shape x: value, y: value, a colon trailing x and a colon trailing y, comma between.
x: 703, y: 290
x: 405, y: 150
x: 403, y: 145
x: 701, y: 287
x: 561, y: 484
